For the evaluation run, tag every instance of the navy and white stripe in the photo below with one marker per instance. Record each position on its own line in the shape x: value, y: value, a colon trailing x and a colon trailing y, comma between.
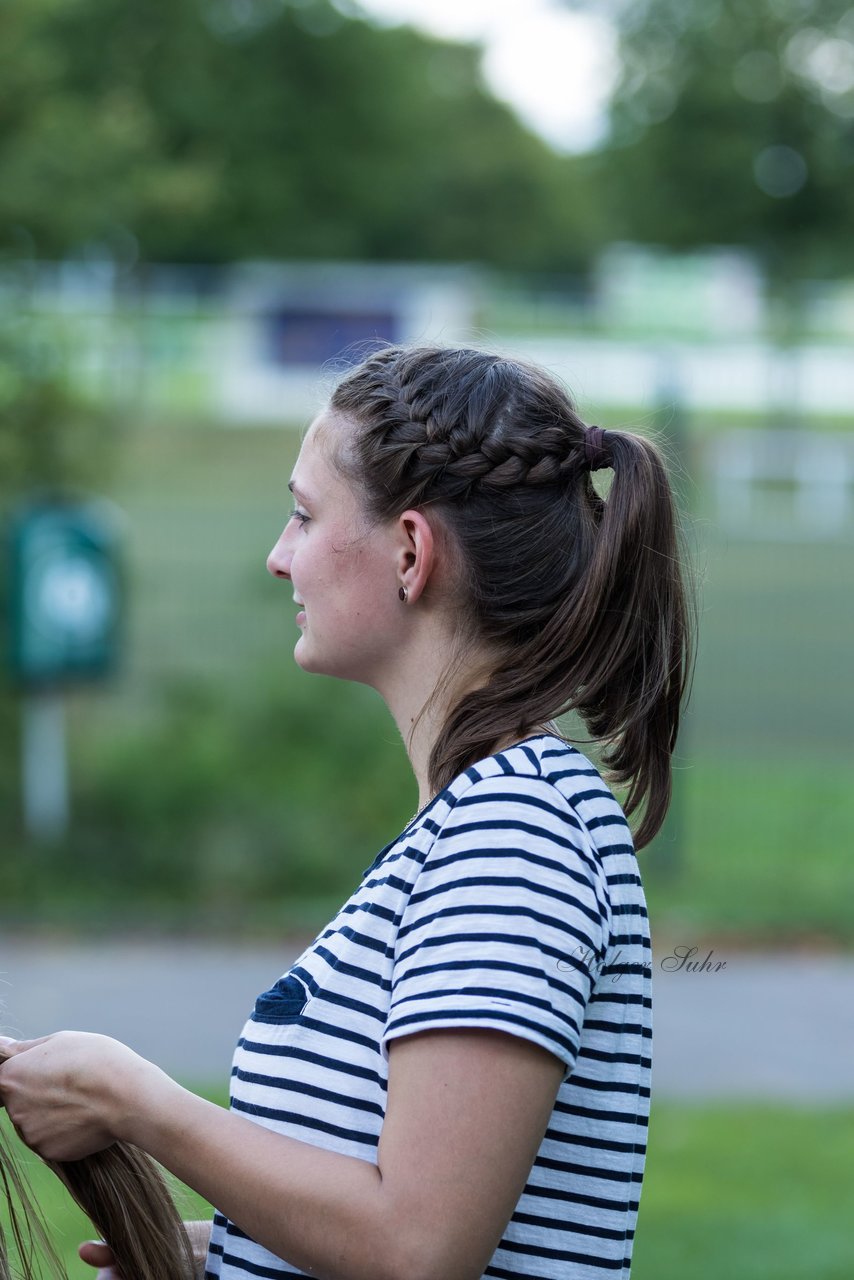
x: 513, y: 901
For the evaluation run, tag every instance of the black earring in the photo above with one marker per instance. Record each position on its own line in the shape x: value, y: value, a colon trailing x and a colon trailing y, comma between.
x: 403, y: 594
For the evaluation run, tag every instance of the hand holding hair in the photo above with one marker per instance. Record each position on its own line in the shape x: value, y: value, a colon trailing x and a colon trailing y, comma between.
x: 70, y: 1094
x: 118, y: 1186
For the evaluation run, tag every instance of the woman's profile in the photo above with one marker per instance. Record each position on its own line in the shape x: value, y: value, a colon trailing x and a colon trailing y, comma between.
x: 453, y: 1079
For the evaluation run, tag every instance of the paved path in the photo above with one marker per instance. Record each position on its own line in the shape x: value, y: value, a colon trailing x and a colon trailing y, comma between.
x: 773, y: 1027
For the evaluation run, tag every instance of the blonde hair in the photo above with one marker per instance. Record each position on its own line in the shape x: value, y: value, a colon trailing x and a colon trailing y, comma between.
x: 124, y: 1193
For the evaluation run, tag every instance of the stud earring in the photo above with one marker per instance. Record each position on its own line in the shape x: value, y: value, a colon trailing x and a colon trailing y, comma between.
x: 403, y: 594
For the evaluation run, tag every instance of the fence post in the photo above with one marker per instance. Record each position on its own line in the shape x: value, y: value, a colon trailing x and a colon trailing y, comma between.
x: 665, y: 857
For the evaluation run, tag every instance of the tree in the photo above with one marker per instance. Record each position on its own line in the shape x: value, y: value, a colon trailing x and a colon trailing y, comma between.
x: 210, y: 131
x: 734, y: 124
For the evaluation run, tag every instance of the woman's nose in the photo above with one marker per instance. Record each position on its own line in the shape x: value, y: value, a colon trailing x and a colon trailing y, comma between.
x: 278, y: 561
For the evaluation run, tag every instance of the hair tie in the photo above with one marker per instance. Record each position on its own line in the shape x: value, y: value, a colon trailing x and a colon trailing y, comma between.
x: 596, y: 451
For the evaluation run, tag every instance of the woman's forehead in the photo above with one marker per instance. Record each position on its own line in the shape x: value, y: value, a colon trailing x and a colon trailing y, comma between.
x: 312, y: 466
x: 329, y: 425
x: 314, y: 473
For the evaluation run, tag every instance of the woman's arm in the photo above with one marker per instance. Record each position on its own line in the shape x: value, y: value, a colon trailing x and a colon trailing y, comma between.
x: 466, y: 1112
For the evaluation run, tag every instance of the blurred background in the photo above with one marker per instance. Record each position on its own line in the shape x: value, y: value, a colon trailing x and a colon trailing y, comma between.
x: 206, y: 206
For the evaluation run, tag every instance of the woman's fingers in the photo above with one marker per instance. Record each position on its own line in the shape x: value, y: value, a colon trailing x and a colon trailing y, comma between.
x: 9, y: 1047
x: 98, y: 1254
x: 67, y: 1093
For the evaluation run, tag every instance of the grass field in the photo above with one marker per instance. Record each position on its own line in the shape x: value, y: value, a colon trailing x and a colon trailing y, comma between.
x: 759, y: 837
x: 735, y: 1192
x: 746, y: 1194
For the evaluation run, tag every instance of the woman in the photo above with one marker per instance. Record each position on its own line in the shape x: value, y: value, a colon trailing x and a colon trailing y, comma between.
x: 452, y: 1081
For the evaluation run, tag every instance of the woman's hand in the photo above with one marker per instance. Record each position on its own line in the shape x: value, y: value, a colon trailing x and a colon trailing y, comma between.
x: 98, y: 1254
x: 70, y: 1094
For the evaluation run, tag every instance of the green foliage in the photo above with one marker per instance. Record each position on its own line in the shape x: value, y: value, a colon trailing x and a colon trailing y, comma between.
x: 221, y: 808
x: 212, y: 132
x: 265, y: 818
x: 236, y: 811
x: 207, y: 131
x: 51, y: 439
x: 708, y: 94
x: 758, y: 852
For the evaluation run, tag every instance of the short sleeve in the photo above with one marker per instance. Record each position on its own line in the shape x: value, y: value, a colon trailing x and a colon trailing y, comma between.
x: 508, y: 921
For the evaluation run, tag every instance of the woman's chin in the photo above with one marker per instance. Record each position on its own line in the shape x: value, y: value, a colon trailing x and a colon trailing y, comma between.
x: 303, y: 657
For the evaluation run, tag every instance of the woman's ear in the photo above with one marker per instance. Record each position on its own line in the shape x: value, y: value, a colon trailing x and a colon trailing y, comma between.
x: 417, y: 550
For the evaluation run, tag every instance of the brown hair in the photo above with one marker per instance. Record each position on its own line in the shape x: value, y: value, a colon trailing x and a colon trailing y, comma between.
x: 123, y: 1191
x: 584, y: 601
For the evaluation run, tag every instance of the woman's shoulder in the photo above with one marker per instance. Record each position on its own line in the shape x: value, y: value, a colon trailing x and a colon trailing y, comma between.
x: 546, y: 767
x: 542, y: 784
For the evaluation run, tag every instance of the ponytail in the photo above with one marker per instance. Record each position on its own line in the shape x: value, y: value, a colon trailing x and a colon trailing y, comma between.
x: 620, y: 639
x: 635, y: 663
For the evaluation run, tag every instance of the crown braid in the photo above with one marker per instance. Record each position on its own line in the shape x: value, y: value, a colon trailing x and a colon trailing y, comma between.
x: 437, y: 453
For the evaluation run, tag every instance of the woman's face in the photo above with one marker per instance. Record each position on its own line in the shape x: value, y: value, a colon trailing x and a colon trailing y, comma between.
x: 344, y: 575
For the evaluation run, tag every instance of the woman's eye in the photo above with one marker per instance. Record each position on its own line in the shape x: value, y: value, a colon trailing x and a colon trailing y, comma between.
x: 299, y: 515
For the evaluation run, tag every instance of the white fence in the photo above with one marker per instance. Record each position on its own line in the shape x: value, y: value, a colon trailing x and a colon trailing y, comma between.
x: 790, y: 485
x: 204, y: 342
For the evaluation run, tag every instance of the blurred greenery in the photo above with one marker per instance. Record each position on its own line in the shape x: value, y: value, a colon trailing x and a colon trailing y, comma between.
x: 762, y: 856
x: 52, y: 438
x: 732, y: 124
x: 743, y: 1191
x: 211, y: 131
x: 747, y: 1192
x: 207, y: 132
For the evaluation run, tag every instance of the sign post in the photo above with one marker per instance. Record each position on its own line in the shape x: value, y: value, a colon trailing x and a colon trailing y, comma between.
x: 44, y: 766
x: 65, y: 604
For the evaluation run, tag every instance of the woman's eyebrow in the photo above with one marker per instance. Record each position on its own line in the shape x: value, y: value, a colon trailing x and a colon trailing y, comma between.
x: 297, y: 491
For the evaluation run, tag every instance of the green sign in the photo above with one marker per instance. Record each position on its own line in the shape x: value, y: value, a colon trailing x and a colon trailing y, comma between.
x: 64, y: 593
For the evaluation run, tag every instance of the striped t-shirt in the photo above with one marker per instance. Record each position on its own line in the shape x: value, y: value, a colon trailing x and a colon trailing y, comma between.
x: 512, y: 901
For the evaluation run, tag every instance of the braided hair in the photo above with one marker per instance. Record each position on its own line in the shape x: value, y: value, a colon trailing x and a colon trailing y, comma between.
x: 582, y: 600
